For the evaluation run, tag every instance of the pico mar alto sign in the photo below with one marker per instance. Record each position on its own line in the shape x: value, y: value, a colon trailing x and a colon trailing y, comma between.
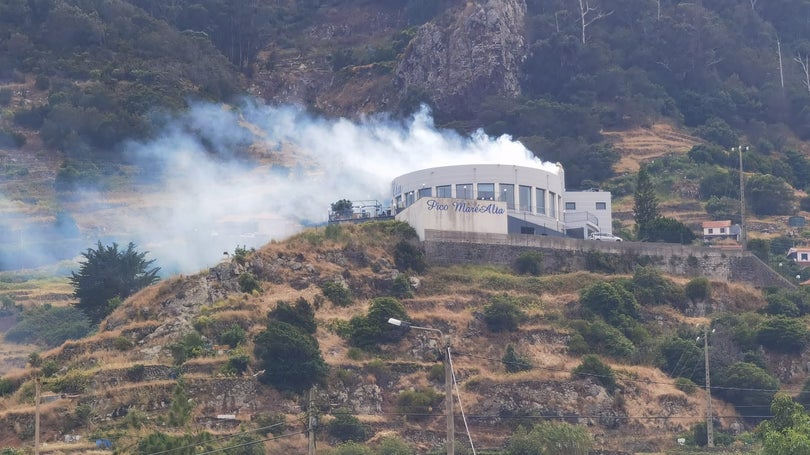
x: 464, y: 207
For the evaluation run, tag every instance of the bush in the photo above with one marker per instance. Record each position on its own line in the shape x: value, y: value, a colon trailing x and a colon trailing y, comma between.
x: 351, y: 448
x: 233, y: 336
x: 249, y: 283
x: 513, y: 362
x: 401, y: 288
x: 408, y: 256
x: 594, y: 368
x: 49, y: 326
x: 685, y: 385
x: 301, y: 315
x: 392, y: 445
x: 190, y: 345
x: 238, y: 361
x: 748, y: 387
x: 550, y: 438
x: 682, y: 357
x: 346, y: 427
x: 783, y: 334
x: 337, y: 293
x: 418, y: 404
x: 602, y: 338
x: 122, y: 343
x: 529, y: 263
x: 651, y: 288
x: 290, y: 357
x: 368, y: 331
x: 698, y: 289
x: 6, y: 387
x: 502, y: 314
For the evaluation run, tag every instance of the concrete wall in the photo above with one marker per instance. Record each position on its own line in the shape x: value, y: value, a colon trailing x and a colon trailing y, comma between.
x: 568, y: 255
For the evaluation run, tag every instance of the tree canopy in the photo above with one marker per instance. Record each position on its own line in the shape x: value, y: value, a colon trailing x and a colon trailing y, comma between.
x: 109, y: 275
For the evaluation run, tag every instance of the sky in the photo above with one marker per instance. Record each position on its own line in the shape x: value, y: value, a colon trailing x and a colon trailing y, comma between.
x: 210, y: 198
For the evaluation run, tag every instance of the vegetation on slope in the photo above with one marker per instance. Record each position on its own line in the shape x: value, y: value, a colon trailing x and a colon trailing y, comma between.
x: 525, y: 347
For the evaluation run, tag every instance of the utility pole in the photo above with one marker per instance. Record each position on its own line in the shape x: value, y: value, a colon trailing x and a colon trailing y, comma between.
x: 448, y: 398
x: 311, y: 422
x: 742, y: 201
x: 36, y: 415
x: 448, y: 381
x: 709, y: 421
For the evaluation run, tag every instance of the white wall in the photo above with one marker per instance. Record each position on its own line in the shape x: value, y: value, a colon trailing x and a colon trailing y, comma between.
x: 462, y: 215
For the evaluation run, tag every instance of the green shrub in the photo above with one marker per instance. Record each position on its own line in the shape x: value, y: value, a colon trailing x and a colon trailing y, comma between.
x: 408, y: 256
x: 337, y: 293
x: 368, y: 331
x: 401, y: 288
x: 698, y: 289
x: 301, y: 315
x: 685, y: 385
x: 748, y: 387
x: 550, y: 438
x: 418, y: 404
x: 392, y: 445
x: 122, y: 343
x: 436, y: 373
x: 351, y: 448
x: 6, y: 387
x: 190, y: 345
x: 502, y: 314
x: 49, y: 368
x: 651, y: 288
x: 49, y: 325
x: 599, y: 337
x: 783, y: 334
x: 529, y: 263
x: 233, y: 336
x: 513, y: 362
x: 275, y: 423
x: 73, y: 382
x: 346, y: 427
x: 238, y: 361
x: 249, y: 283
x: 594, y: 368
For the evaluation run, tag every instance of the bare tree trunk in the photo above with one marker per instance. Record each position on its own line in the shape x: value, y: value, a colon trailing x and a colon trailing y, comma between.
x: 805, y: 64
x: 753, y: 5
x: 781, y: 70
x: 588, y: 16
x: 658, y: 17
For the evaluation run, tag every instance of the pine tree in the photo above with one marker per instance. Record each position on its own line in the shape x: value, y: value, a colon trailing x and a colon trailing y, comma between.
x: 645, y: 207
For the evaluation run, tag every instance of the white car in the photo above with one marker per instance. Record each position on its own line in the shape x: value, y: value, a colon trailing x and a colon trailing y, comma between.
x: 604, y: 236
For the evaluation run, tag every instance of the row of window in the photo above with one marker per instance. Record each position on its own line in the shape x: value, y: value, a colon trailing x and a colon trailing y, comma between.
x: 544, y: 204
x: 573, y: 206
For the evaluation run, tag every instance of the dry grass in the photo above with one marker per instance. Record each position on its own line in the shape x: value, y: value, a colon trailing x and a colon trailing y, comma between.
x: 643, y: 144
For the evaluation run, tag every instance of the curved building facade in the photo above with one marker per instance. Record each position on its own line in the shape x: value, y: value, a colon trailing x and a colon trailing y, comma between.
x: 498, y: 198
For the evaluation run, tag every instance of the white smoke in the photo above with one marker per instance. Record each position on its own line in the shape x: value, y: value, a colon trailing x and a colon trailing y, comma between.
x: 210, y: 199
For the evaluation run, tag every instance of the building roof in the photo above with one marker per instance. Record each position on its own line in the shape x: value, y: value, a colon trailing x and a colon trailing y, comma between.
x: 716, y: 224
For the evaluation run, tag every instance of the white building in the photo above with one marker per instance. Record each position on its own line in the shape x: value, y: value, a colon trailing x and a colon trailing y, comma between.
x: 499, y: 198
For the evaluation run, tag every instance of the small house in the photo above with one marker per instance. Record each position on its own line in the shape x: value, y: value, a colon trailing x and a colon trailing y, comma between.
x: 801, y: 255
x: 720, y: 230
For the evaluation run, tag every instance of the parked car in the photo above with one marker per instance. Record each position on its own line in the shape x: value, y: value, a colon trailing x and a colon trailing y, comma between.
x: 604, y: 236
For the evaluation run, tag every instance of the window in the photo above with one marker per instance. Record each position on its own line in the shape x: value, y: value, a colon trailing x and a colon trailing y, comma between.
x: 464, y: 191
x: 408, y: 198
x: 552, y: 205
x: 804, y: 257
x: 527, y: 230
x: 508, y: 195
x: 722, y: 230
x: 570, y: 206
x: 399, y: 202
x: 711, y: 231
x: 486, y: 191
x: 444, y: 191
x: 423, y: 192
x: 541, y: 201
x: 601, y: 206
x: 525, y: 197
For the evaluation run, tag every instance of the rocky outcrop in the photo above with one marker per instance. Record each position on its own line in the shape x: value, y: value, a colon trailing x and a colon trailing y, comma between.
x: 475, y: 53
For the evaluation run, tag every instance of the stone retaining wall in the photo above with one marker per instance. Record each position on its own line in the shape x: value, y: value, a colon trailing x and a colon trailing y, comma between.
x: 568, y: 255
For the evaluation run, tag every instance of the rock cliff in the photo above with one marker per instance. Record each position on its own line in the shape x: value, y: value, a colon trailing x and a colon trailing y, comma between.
x: 467, y: 54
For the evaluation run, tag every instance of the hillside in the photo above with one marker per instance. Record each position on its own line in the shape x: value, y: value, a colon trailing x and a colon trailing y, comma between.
x: 122, y: 381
